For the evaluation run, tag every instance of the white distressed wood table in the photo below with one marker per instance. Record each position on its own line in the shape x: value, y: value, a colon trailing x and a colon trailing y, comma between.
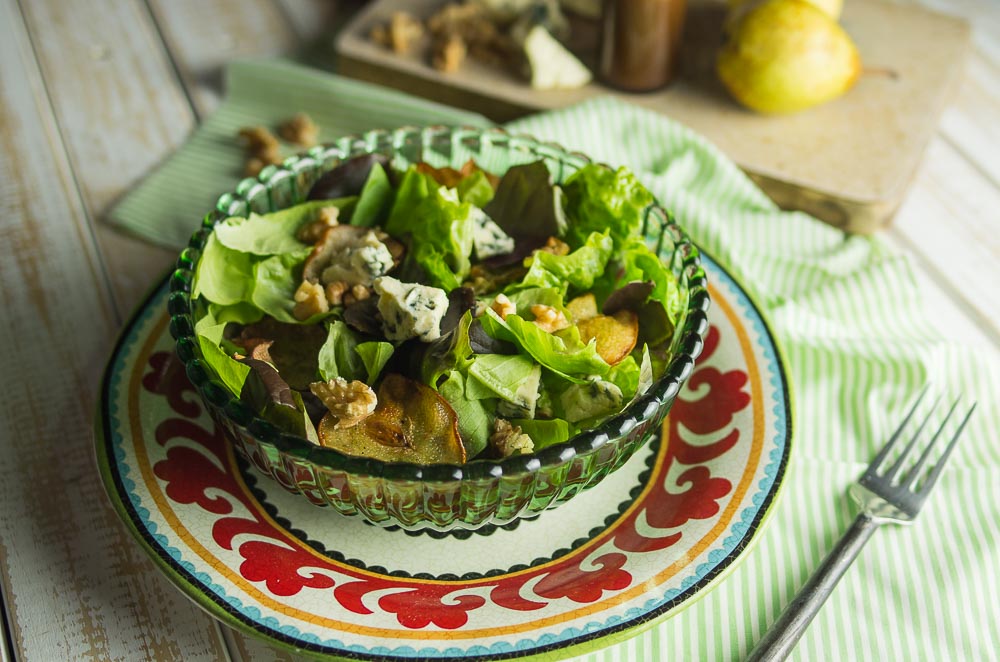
x: 95, y: 93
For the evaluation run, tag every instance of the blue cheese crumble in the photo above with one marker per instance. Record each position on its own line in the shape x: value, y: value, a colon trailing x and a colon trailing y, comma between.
x: 410, y: 310
x: 595, y: 397
x: 488, y: 239
x: 360, y: 262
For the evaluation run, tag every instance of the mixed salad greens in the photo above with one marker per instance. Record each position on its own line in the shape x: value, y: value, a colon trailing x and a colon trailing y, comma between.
x: 433, y: 315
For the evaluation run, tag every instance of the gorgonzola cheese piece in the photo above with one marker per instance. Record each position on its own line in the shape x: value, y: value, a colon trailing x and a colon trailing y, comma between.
x: 596, y: 397
x: 410, y: 310
x: 488, y: 239
x: 360, y: 263
x: 552, y: 65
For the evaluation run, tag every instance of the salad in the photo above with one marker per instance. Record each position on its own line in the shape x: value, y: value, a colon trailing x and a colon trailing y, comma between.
x: 433, y: 315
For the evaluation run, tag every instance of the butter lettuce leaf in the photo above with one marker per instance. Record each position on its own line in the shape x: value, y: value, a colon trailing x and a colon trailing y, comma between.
x: 564, y: 353
x: 626, y: 376
x: 511, y: 377
x: 474, y: 419
x: 374, y: 200
x: 599, y: 199
x: 545, y: 433
x: 532, y: 296
x: 578, y: 269
x: 641, y: 263
x: 449, y: 352
x: 232, y: 373
x: 374, y: 355
x: 273, y: 233
x: 338, y: 357
x: 274, y: 285
x: 239, y: 313
x: 223, y: 276
x: 475, y: 188
x: 438, y: 225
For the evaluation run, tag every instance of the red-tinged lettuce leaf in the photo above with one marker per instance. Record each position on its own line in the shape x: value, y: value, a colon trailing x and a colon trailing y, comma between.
x: 346, y: 179
x: 526, y: 203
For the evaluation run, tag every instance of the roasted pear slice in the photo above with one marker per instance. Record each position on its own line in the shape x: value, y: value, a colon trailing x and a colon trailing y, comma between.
x: 616, y: 334
x: 583, y: 307
x: 411, y: 423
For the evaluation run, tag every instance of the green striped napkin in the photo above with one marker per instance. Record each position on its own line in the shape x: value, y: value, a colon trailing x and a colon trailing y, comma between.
x: 856, y: 332
x: 170, y: 203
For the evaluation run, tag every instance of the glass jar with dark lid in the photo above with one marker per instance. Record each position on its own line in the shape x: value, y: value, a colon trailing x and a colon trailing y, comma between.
x: 640, y: 43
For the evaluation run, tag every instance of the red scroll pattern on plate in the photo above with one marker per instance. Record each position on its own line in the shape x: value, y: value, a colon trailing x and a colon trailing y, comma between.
x: 196, y: 471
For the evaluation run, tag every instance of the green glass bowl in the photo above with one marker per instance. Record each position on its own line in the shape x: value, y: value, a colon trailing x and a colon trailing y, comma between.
x: 437, y: 497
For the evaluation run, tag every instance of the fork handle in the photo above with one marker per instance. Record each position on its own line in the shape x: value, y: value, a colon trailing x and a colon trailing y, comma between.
x: 781, y: 638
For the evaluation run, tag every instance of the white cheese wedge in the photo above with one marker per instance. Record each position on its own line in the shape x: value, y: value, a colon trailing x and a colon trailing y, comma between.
x: 360, y: 262
x: 552, y: 65
x: 410, y: 310
x: 488, y: 238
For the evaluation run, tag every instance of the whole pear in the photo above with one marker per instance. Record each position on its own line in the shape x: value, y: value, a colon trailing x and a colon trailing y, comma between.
x: 786, y: 55
x: 831, y: 8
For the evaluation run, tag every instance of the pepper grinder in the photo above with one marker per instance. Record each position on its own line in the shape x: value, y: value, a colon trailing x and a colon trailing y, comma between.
x: 640, y: 43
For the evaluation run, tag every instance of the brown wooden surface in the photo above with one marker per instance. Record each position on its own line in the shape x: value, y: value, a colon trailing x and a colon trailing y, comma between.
x: 92, y: 96
x: 881, y: 126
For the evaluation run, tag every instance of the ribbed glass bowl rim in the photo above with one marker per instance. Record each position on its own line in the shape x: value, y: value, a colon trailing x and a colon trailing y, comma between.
x: 662, y: 392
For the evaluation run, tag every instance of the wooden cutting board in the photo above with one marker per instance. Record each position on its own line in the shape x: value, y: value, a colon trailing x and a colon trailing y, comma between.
x: 848, y: 162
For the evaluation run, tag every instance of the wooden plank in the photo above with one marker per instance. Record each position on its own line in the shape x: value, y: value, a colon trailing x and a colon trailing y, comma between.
x: 77, y: 586
x: 119, y: 113
x: 202, y: 36
x: 316, y: 20
x: 949, y: 222
x: 972, y: 124
x: 881, y: 126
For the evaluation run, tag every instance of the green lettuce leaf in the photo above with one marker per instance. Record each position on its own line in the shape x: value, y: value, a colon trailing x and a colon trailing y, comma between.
x: 474, y: 420
x: 292, y: 419
x: 273, y: 233
x: 625, y: 375
x: 641, y: 263
x: 578, y: 269
x: 238, y: 313
x: 545, y: 433
x: 544, y: 296
x: 374, y: 355
x: 600, y: 199
x: 512, y: 377
x: 338, y: 357
x: 374, y: 200
x: 223, y: 276
x: 449, y: 352
x: 232, y: 373
x: 475, y: 189
x: 439, y: 227
x: 564, y: 354
x: 590, y: 401
x: 274, y: 286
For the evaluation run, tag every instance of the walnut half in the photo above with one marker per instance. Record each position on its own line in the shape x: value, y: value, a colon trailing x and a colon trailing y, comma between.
x: 549, y: 319
x: 509, y: 440
x: 350, y: 402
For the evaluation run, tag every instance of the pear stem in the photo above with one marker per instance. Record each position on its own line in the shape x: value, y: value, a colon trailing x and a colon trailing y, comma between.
x: 885, y: 72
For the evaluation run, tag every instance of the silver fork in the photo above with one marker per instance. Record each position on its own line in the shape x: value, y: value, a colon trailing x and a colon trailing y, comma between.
x: 883, y: 500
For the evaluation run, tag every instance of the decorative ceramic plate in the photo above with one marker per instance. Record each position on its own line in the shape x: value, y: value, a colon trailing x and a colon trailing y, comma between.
x: 639, y: 546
